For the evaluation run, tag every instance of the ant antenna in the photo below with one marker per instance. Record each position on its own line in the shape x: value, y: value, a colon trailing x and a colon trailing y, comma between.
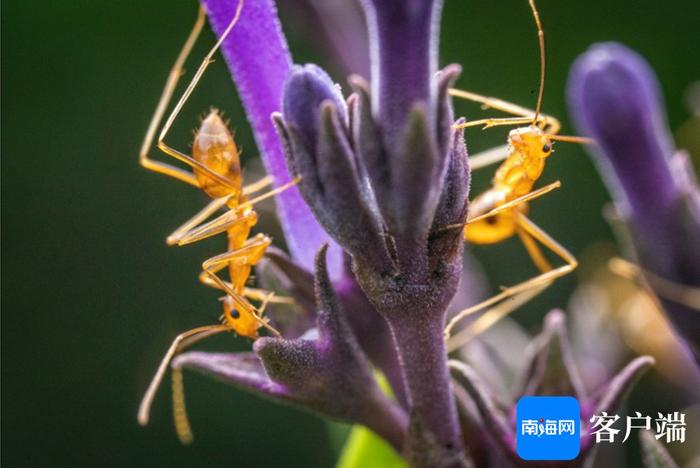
x: 540, y: 35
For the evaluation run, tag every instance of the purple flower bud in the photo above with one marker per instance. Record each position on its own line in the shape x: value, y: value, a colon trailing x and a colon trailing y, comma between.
x: 305, y: 89
x: 384, y: 183
x: 614, y: 98
x: 407, y: 176
x: 314, y: 131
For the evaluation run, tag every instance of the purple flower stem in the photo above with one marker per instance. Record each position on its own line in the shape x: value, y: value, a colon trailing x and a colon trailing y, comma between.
x: 423, y: 356
x: 416, y: 315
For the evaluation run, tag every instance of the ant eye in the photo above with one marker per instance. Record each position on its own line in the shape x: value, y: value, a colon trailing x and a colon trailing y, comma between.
x: 235, y: 314
x: 547, y: 148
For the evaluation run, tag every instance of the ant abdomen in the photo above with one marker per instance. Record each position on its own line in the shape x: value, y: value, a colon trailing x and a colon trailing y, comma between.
x: 214, y: 147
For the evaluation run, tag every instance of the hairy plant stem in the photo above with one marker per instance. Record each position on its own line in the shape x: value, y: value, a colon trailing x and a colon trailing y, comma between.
x: 416, y: 315
x: 421, y: 348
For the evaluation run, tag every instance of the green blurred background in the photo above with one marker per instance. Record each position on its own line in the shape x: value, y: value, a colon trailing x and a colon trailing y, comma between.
x: 91, y: 295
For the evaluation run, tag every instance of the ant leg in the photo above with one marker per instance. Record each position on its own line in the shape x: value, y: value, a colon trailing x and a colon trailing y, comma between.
x: 166, y: 96
x: 491, y: 317
x: 230, y: 218
x: 547, y: 241
x: 205, y: 277
x: 256, y: 294
x: 680, y: 293
x: 518, y: 201
x: 218, y: 225
x: 182, y: 422
x: 570, y: 139
x: 488, y: 157
x: 538, y: 282
x: 165, y: 99
x: 492, y: 301
x: 185, y: 96
x: 508, y: 206
x: 495, y: 122
x: 271, y: 193
x: 184, y: 230
x: 193, y: 223
x: 187, y: 338
x: 551, y: 123
x: 246, y: 255
x: 533, y: 251
x: 550, y: 132
x: 258, y: 185
x: 262, y: 295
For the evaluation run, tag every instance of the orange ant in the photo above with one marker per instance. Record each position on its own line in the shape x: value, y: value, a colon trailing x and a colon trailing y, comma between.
x: 500, y: 212
x: 217, y: 171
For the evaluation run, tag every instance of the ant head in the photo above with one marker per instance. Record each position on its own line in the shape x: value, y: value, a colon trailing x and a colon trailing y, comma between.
x: 240, y: 320
x: 531, y: 141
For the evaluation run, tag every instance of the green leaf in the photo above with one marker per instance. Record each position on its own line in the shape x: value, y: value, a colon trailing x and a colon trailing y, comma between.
x: 338, y: 434
x: 365, y: 449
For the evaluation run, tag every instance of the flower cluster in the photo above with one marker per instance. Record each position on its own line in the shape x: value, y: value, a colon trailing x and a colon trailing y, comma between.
x: 373, y: 267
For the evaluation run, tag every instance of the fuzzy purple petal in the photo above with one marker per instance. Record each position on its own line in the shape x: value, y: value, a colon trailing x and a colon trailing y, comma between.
x: 244, y: 370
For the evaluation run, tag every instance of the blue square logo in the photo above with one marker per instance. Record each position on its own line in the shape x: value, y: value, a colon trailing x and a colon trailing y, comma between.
x: 548, y: 428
